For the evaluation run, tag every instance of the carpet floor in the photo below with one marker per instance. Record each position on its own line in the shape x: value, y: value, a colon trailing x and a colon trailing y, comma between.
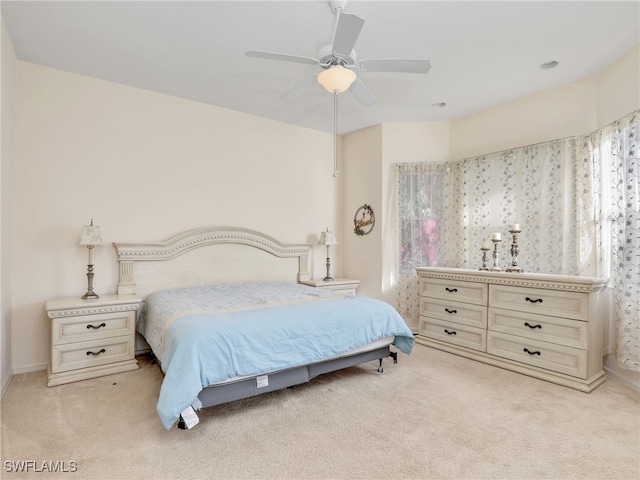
x: 434, y: 415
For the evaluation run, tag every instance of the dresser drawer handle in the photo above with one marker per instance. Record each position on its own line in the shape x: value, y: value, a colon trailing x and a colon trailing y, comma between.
x: 96, y: 353
x: 99, y: 326
x: 448, y: 332
x: 532, y: 326
x: 451, y: 290
x: 537, y: 300
x: 450, y: 311
x: 532, y: 353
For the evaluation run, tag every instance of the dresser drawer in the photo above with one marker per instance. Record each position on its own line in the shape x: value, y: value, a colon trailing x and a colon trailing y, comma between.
x: 561, y: 331
x: 462, y: 335
x: 74, y: 356
x: 454, y: 290
x: 557, y: 358
x: 458, y: 312
x: 92, y: 327
x: 557, y: 303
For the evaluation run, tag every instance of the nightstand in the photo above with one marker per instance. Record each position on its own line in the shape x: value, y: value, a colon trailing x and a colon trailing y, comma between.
x: 91, y: 338
x: 339, y: 284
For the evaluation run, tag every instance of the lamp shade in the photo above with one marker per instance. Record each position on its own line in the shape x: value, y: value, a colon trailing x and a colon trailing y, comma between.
x: 336, y: 79
x: 327, y: 239
x: 90, y: 235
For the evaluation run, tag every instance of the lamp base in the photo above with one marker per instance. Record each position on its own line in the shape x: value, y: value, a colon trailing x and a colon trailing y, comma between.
x: 90, y: 293
x: 328, y: 277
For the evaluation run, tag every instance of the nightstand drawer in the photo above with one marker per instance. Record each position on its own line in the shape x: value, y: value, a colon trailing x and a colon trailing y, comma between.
x: 557, y: 303
x: 561, y: 331
x: 75, y: 356
x: 92, y: 327
x: 557, y: 358
x: 463, y: 335
x: 453, y: 290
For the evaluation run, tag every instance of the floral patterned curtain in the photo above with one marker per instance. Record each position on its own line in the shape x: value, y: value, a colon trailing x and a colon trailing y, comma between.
x: 534, y: 186
x: 617, y: 183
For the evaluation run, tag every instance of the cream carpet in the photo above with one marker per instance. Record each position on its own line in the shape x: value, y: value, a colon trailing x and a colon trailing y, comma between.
x: 432, y: 416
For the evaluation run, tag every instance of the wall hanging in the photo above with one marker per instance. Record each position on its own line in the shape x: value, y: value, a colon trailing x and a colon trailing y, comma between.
x: 364, y: 220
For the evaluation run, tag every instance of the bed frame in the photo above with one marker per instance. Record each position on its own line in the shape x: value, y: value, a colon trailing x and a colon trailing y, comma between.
x: 222, y: 255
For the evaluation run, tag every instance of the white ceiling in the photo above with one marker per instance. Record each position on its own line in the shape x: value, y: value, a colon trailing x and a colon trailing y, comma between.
x: 482, y: 53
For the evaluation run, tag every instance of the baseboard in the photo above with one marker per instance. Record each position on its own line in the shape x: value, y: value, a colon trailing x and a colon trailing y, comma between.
x: 622, y: 379
x: 30, y: 368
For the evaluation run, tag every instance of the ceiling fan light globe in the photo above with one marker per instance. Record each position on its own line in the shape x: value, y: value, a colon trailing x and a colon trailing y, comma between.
x: 336, y: 79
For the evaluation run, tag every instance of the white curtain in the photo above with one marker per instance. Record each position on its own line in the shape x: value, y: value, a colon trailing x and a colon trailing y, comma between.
x: 617, y: 184
x: 577, y: 201
x: 534, y: 186
x: 422, y: 193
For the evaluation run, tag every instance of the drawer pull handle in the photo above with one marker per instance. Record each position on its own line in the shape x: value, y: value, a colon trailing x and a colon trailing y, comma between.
x: 99, y: 326
x: 537, y: 300
x: 451, y: 290
x: 450, y: 311
x: 96, y: 353
x: 532, y: 353
x: 448, y: 332
x: 532, y: 326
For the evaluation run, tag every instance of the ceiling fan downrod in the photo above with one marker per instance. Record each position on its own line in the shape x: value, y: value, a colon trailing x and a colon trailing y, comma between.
x: 335, y: 133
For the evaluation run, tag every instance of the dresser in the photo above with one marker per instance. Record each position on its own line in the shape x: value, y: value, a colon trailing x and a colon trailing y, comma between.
x: 91, y: 338
x: 546, y: 326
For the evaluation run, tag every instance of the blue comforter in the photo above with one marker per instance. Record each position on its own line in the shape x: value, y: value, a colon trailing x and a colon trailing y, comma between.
x: 202, y: 348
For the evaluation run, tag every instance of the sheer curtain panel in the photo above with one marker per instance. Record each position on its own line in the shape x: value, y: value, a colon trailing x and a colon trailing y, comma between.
x: 422, y: 205
x: 617, y: 162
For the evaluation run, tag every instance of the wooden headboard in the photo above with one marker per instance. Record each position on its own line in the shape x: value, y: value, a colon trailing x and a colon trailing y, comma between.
x: 209, y: 256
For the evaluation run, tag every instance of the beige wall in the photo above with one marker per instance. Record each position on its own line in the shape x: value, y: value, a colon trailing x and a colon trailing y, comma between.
x: 7, y: 88
x: 361, y: 172
x: 618, y: 88
x: 558, y: 113
x: 145, y: 166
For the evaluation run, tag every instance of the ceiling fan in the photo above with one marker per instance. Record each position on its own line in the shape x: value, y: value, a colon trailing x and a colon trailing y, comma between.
x: 339, y: 62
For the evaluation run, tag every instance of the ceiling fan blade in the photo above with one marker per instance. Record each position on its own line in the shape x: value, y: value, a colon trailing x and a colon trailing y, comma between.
x: 362, y: 93
x: 347, y: 31
x: 281, y: 57
x: 307, y: 84
x: 395, y: 65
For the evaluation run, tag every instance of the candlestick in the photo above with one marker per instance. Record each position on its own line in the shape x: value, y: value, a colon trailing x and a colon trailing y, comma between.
x: 496, y: 252
x: 514, y: 249
x: 486, y: 246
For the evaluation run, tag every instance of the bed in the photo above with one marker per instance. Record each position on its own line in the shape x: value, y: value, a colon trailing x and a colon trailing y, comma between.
x: 226, y: 317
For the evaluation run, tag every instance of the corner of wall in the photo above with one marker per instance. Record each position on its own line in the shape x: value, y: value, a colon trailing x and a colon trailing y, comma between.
x: 7, y: 89
x: 627, y: 377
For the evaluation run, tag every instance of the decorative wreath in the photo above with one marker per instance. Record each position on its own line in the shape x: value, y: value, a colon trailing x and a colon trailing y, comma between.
x: 364, y: 220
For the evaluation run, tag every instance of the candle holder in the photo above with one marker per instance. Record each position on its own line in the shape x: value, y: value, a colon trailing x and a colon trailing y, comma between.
x: 514, y: 252
x: 496, y: 255
x: 485, y: 257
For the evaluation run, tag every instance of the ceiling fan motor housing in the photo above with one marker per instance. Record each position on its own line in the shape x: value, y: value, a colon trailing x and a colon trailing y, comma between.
x: 329, y: 59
